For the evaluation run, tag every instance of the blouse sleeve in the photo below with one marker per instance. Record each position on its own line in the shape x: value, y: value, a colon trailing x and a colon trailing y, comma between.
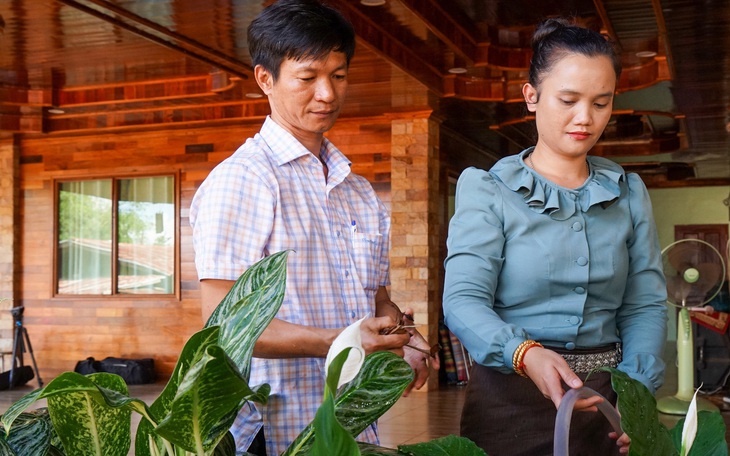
x: 473, y: 264
x: 642, y: 318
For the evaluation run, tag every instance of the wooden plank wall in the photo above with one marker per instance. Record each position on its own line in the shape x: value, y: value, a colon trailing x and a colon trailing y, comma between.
x: 65, y: 329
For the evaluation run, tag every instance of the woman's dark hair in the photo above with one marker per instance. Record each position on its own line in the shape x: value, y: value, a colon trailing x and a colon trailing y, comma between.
x: 555, y: 38
x: 297, y: 29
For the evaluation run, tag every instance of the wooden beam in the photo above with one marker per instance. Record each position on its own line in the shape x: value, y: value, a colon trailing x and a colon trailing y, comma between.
x: 448, y: 29
x: 156, y: 33
x: 391, y: 48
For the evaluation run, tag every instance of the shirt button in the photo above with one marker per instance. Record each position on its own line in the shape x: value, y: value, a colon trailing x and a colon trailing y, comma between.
x: 574, y: 320
x: 579, y: 290
x: 570, y: 346
x: 347, y: 273
x: 352, y: 314
x: 338, y: 234
x: 572, y: 196
x: 582, y: 261
x: 577, y: 226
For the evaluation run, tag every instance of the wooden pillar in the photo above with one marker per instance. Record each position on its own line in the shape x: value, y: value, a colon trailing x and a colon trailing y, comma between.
x: 415, y: 263
x: 9, y: 183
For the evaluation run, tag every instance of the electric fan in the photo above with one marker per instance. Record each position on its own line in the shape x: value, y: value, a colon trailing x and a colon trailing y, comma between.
x: 695, y: 272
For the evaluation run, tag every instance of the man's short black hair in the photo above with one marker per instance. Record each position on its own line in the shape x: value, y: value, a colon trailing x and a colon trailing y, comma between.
x: 297, y: 29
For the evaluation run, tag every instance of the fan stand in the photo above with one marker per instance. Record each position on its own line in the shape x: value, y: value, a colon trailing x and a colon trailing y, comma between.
x: 679, y: 403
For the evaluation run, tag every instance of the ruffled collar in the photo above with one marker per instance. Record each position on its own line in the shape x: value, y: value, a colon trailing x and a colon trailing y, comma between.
x: 543, y: 196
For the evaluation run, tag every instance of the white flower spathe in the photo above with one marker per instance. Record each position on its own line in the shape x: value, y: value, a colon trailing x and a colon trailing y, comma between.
x: 689, y: 430
x: 350, y: 337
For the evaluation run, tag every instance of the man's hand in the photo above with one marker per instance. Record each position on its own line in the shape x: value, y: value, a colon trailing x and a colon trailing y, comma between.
x: 419, y: 361
x: 373, y: 339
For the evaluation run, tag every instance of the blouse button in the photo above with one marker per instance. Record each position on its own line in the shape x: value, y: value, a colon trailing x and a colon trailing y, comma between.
x: 570, y: 346
x: 579, y: 290
x: 347, y: 273
x: 577, y: 226
x: 582, y: 261
x: 574, y: 320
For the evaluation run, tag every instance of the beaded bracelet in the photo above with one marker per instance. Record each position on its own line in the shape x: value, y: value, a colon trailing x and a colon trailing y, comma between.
x: 518, y: 363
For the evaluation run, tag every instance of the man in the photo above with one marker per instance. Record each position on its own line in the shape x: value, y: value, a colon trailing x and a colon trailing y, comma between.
x: 290, y: 188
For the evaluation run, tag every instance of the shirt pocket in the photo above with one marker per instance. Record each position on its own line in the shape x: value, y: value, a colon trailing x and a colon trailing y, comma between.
x: 366, y: 256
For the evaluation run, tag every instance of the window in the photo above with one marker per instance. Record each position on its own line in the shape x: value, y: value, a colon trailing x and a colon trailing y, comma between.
x: 116, y: 236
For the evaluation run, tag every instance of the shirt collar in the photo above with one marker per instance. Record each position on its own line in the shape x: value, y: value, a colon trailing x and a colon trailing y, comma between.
x: 288, y: 148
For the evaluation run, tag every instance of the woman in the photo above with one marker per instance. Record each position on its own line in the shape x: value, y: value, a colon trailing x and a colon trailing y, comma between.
x: 554, y: 266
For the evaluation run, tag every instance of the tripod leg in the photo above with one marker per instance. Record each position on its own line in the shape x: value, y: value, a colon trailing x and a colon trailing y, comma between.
x: 32, y: 357
x: 18, y: 350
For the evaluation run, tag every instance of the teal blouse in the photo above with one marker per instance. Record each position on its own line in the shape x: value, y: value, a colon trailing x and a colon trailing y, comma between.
x: 572, y: 268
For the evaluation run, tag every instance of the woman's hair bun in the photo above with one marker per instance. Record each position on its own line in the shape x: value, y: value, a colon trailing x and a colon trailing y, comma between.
x: 547, y: 27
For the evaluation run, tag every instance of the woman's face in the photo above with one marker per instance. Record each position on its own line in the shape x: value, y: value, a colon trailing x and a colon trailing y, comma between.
x: 572, y: 104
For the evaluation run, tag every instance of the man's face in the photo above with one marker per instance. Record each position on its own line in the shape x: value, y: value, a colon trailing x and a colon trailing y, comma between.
x: 308, y: 94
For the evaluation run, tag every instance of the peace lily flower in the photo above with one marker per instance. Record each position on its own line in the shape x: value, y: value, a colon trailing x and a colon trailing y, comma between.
x: 351, y: 338
x: 689, y: 430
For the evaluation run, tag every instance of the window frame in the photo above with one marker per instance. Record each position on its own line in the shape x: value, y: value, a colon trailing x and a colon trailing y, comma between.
x: 176, y: 292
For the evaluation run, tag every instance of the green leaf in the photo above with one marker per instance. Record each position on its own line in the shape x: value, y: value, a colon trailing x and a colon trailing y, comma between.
x: 31, y: 435
x: 70, y: 393
x: 249, y: 307
x: 192, y: 352
x: 212, y: 390
x: 5, y: 449
x: 85, y: 423
x: 266, y: 272
x: 17, y: 407
x: 368, y: 449
x: 710, y: 438
x: 639, y: 417
x: 227, y: 446
x: 240, y: 331
x: 444, y: 446
x: 381, y: 382
x: 330, y: 436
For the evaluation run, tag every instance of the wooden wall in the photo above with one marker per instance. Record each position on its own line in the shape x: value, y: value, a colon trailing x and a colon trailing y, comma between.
x: 66, y: 329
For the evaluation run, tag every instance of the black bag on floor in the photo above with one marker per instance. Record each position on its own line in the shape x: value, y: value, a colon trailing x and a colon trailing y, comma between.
x: 87, y: 366
x: 21, y: 376
x: 133, y: 371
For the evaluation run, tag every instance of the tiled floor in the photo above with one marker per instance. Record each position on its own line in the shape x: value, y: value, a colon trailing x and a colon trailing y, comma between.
x: 416, y: 418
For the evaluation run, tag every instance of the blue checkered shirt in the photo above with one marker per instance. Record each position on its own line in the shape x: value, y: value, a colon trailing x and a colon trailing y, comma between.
x: 271, y: 195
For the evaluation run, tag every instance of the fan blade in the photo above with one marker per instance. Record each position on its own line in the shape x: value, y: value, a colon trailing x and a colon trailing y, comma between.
x: 678, y: 289
x: 710, y: 276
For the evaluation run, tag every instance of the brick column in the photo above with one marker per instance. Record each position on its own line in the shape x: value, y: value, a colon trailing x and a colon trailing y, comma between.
x: 414, y: 256
x: 9, y: 182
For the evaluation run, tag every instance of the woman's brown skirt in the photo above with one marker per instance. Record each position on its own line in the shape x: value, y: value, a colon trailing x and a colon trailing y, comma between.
x: 506, y: 415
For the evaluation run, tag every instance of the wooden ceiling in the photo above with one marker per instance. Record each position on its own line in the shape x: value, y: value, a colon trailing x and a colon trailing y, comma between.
x: 74, y: 66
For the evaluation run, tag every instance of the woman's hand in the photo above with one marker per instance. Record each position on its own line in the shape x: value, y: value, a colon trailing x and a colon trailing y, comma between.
x: 623, y: 441
x: 548, y: 370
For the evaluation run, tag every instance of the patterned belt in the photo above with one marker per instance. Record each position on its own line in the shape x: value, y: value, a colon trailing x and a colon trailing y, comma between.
x: 585, y: 360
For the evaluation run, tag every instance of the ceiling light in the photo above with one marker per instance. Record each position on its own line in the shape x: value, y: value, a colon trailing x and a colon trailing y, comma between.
x: 372, y: 2
x: 646, y: 54
x: 253, y: 95
x: 457, y: 70
x: 54, y: 110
